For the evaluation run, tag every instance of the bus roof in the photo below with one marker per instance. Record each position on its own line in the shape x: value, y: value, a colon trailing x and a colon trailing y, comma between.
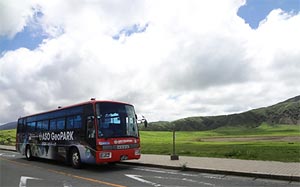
x: 92, y: 101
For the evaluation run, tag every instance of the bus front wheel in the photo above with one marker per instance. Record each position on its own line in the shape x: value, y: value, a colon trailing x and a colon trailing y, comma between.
x: 28, y: 153
x: 75, y: 158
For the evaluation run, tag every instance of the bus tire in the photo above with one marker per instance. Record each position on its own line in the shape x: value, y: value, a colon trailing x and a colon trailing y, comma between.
x: 75, y: 158
x: 28, y: 153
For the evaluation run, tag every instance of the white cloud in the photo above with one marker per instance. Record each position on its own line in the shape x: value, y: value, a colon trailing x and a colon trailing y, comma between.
x: 15, y: 15
x: 194, y: 58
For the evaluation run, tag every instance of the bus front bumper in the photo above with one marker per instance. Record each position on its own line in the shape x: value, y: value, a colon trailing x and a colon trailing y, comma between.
x: 117, y: 155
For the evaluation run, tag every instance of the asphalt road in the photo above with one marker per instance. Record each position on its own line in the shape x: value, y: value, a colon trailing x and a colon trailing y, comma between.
x: 17, y: 171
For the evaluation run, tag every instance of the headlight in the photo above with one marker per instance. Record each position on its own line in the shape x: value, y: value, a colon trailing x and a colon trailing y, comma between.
x: 105, y: 155
x: 137, y: 152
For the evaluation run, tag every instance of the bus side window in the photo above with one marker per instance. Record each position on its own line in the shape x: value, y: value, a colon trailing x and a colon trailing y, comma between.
x: 70, y: 122
x: 74, y: 122
x: 77, y: 122
x: 60, y: 123
x: 53, y: 125
x: 24, y: 126
x: 20, y: 125
x: 39, y: 126
x: 45, y: 125
x: 31, y: 126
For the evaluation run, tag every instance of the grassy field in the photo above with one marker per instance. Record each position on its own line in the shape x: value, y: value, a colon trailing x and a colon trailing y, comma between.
x: 8, y: 137
x: 276, y: 143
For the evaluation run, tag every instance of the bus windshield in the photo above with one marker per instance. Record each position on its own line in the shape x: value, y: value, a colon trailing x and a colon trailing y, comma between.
x: 116, y: 120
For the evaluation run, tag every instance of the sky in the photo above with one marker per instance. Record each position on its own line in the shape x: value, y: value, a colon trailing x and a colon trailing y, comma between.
x: 170, y: 59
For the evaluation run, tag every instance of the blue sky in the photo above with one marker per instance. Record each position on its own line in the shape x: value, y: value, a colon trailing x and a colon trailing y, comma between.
x: 29, y: 38
x: 256, y: 10
x: 136, y: 28
x: 253, y: 12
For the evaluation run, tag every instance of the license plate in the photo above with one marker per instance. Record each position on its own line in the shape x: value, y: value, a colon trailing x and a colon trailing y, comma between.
x: 122, y: 146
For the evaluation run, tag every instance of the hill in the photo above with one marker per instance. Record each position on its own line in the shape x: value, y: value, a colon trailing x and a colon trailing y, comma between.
x: 7, y: 126
x: 286, y: 112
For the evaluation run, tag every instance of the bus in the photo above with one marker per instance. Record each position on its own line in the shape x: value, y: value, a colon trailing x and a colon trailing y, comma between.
x: 92, y: 132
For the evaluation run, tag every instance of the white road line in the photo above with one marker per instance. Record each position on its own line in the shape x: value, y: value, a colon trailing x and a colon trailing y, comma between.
x: 194, y: 181
x: 182, y: 179
x: 213, y: 177
x: 210, y: 176
x: 138, y: 178
x: 166, y: 172
x: 23, y: 180
x: 7, y: 155
x: 172, y: 178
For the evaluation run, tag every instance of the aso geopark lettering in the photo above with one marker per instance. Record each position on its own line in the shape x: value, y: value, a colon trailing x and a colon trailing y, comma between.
x: 47, y: 136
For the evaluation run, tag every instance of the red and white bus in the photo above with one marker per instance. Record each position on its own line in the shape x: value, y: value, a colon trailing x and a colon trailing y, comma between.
x: 91, y: 132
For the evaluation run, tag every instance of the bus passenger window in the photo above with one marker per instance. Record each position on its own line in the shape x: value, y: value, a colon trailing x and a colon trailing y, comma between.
x: 70, y: 122
x: 53, y: 124
x: 39, y: 126
x: 24, y: 125
x: 31, y: 126
x: 20, y: 127
x: 60, y: 123
x: 45, y: 125
x: 77, y: 122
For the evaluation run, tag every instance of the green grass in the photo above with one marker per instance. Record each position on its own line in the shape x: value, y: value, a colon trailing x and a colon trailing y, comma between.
x: 194, y: 143
x: 191, y: 144
x: 8, y: 137
x: 264, y: 129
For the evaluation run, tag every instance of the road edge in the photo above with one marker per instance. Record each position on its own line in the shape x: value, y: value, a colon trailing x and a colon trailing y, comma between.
x: 6, y: 149
x: 223, y: 172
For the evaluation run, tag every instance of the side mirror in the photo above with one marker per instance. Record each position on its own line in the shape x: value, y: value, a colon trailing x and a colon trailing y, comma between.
x: 143, y: 121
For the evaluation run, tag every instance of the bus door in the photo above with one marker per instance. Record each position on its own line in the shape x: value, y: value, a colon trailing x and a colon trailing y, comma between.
x: 91, y: 131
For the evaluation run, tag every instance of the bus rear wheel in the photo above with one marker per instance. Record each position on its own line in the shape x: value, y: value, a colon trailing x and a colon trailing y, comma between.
x: 28, y: 153
x: 75, y: 158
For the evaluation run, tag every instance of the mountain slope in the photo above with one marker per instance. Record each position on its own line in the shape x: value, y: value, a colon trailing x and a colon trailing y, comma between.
x: 7, y: 126
x: 286, y: 112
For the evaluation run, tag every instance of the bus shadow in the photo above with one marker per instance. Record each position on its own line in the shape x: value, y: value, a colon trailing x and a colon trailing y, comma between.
x: 105, y: 167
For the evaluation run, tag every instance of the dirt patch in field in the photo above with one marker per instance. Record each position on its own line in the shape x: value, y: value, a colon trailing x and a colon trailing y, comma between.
x: 254, y: 139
